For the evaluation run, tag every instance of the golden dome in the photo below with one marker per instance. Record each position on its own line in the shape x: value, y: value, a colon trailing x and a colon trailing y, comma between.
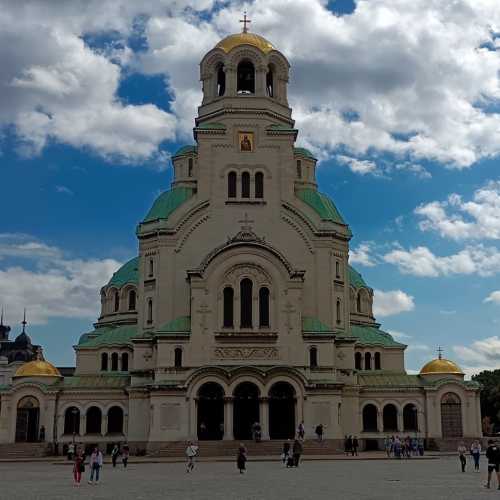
x: 441, y: 366
x: 230, y: 42
x: 37, y: 368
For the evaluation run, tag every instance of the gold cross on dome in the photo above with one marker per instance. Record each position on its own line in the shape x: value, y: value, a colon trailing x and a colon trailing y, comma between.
x: 245, y: 21
x: 440, y: 352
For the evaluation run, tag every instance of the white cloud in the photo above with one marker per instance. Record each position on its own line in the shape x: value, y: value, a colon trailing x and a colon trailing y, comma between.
x: 418, y: 347
x: 64, y: 190
x: 391, y: 303
x: 361, y: 167
x: 493, y: 297
x: 399, y: 335
x: 413, y: 74
x: 420, y: 261
x: 461, y: 220
x: 480, y: 355
x: 362, y: 255
x: 51, y: 285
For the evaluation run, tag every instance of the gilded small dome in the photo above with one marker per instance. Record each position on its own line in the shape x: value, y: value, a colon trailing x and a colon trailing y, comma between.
x: 230, y: 42
x: 37, y: 368
x: 441, y: 366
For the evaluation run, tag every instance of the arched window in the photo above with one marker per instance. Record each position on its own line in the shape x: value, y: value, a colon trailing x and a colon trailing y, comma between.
x: 370, y: 418
x: 178, y: 357
x: 299, y: 169
x: 410, y: 417
x: 451, y: 416
x: 264, y: 307
x: 104, y: 361
x: 339, y: 312
x: 259, y: 185
x: 368, y: 361
x: 377, y: 361
x: 72, y: 420
x: 115, y: 420
x: 228, y: 307
x: 270, y: 82
x: 313, y: 357
x: 246, y: 78
x: 358, y: 360
x: 231, y: 185
x: 114, y: 362
x: 221, y: 80
x: 190, y: 167
x: 390, y: 418
x: 245, y: 185
x: 131, y: 300
x: 125, y: 362
x: 150, y: 311
x: 246, y: 293
x: 94, y: 420
x: 358, y: 302
x: 117, y: 301
x: 151, y: 267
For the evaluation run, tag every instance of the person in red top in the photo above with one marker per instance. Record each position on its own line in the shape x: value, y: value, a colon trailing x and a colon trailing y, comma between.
x: 78, y: 467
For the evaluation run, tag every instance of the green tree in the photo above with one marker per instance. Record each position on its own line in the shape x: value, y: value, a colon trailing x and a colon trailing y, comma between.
x: 490, y: 395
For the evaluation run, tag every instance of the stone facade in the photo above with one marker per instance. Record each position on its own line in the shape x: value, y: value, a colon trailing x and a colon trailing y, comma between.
x: 241, y: 305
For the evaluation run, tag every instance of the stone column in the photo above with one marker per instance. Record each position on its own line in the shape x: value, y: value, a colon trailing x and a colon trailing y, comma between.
x: 264, y: 417
x: 400, y: 421
x: 230, y: 80
x: 104, y: 424
x: 260, y: 81
x: 125, y: 425
x: 83, y: 423
x: 228, y: 419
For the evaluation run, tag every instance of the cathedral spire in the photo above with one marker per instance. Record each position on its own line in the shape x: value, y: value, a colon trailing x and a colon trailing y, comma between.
x: 24, y: 322
x: 245, y: 21
x: 440, y: 352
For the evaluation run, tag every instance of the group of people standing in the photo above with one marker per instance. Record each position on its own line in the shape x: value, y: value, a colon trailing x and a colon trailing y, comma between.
x: 400, y: 447
x: 351, y: 445
x: 96, y: 461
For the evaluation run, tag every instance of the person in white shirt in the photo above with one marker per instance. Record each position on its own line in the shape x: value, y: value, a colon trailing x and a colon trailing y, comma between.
x: 96, y: 461
x: 475, y: 451
x: 191, y: 454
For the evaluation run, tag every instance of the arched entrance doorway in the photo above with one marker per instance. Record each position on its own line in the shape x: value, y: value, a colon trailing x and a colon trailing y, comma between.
x: 28, y: 420
x: 210, y: 412
x: 245, y: 410
x: 370, y: 418
x: 390, y: 418
x: 282, y: 411
x: 451, y: 416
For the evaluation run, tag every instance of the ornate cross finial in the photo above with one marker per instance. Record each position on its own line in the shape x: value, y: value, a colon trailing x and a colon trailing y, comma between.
x: 24, y: 322
x: 440, y: 352
x: 246, y: 223
x: 245, y: 21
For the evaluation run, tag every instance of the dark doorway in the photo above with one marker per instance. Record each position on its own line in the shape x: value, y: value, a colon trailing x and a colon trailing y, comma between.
x: 371, y: 445
x: 390, y: 418
x: 245, y: 410
x: 370, y: 418
x: 410, y: 417
x: 281, y: 411
x: 115, y: 420
x: 72, y: 420
x: 451, y: 416
x: 210, y: 412
x: 94, y: 420
x: 28, y: 418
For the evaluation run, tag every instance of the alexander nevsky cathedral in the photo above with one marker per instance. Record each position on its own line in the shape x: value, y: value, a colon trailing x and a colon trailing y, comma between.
x: 241, y: 305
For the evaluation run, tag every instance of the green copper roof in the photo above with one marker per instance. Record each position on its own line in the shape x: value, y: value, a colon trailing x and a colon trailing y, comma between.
x: 304, y: 152
x: 389, y: 379
x: 371, y: 335
x: 168, y: 202
x: 212, y: 126
x: 128, y: 273
x: 181, y: 324
x: 356, y: 279
x: 314, y: 325
x: 321, y: 204
x: 285, y: 128
x: 109, y: 336
x: 107, y: 381
x: 184, y: 150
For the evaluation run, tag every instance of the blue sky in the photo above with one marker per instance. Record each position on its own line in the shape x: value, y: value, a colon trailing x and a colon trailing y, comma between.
x: 408, y: 137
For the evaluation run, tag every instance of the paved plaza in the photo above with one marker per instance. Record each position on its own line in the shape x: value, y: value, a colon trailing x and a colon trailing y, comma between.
x: 314, y: 480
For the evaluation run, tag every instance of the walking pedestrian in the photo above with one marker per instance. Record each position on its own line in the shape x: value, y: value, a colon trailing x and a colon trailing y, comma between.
x: 125, y: 455
x: 387, y: 446
x: 347, y: 445
x: 96, y: 461
x: 421, y: 446
x: 301, y: 431
x: 475, y: 451
x: 114, y: 454
x: 241, y: 458
x: 71, y: 451
x: 462, y: 450
x: 397, y: 447
x: 319, y: 432
x: 191, y: 453
x: 286, y: 451
x: 297, y: 451
x: 78, y: 467
x: 493, y: 456
x: 355, y: 445
x: 42, y: 433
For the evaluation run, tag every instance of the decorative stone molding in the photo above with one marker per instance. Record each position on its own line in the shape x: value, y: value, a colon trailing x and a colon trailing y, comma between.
x: 241, y: 353
x: 300, y: 232
x: 190, y: 231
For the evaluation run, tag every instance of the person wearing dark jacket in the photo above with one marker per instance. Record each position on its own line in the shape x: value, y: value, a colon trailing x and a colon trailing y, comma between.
x: 297, y: 450
x: 493, y: 456
x: 355, y: 445
x: 241, y: 458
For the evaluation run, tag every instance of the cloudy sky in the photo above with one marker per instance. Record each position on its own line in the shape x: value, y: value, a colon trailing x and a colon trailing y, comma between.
x: 399, y: 99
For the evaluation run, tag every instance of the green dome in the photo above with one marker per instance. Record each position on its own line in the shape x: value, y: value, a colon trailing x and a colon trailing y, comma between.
x: 128, y: 273
x: 356, y: 279
x: 168, y: 202
x: 184, y: 150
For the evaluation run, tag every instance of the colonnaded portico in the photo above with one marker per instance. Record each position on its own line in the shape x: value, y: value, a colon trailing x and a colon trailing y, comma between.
x: 241, y: 305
